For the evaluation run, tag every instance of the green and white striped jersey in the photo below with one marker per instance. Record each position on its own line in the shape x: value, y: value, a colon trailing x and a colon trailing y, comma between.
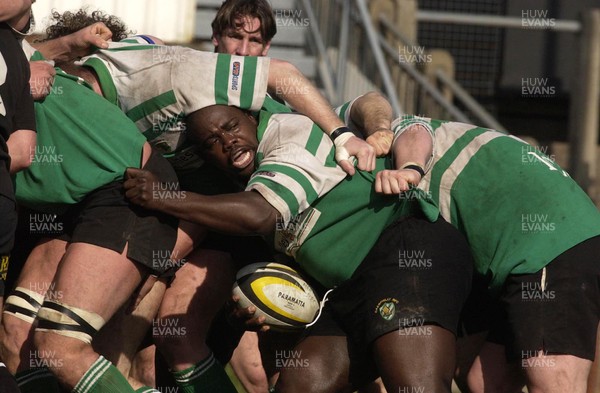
x: 295, y: 163
x: 328, y: 222
x: 517, y: 208
x: 157, y: 86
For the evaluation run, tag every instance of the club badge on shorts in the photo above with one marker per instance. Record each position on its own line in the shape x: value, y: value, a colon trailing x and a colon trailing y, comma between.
x: 386, y: 308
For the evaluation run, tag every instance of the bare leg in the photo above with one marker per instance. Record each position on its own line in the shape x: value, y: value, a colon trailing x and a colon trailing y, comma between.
x: 409, y: 362
x: 37, y: 275
x: 557, y: 374
x: 327, y: 366
x: 594, y: 379
x: 142, y: 368
x: 93, y: 279
x: 491, y: 372
x: 467, y: 349
x: 199, y: 290
x: 121, y: 338
x: 247, y: 364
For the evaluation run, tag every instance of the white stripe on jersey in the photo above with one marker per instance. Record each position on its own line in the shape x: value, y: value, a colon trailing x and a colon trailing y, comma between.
x: 235, y: 92
x: 451, y: 174
x: 184, y: 75
x: 283, y: 144
x: 324, y: 147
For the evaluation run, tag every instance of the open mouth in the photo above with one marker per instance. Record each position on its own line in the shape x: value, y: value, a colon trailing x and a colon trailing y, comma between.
x: 242, y: 158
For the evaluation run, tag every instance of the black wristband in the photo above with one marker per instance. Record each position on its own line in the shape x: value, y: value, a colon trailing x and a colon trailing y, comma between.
x: 416, y: 168
x: 339, y: 131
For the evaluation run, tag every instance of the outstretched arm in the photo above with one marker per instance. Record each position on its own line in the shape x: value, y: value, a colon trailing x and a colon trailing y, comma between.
x: 75, y: 45
x: 243, y: 213
x: 307, y: 99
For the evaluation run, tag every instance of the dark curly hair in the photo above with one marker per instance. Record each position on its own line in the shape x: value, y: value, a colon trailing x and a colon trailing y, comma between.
x: 70, y: 22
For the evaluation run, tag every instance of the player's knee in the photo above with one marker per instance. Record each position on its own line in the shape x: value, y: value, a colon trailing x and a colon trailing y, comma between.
x: 63, y: 329
x: 317, y: 377
x: 478, y: 383
x: 23, y: 304
x: 20, y: 310
x: 14, y: 335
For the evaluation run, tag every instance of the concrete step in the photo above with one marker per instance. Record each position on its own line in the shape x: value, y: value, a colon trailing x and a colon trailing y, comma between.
x: 276, y: 4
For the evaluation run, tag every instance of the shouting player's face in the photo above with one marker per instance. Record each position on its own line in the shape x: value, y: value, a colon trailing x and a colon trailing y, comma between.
x: 227, y: 138
x: 245, y: 39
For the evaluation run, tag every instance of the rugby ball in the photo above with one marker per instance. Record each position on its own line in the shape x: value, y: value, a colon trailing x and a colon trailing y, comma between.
x: 279, y: 294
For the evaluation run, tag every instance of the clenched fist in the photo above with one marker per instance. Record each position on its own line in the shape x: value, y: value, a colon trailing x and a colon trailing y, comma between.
x: 140, y: 185
x: 395, y: 181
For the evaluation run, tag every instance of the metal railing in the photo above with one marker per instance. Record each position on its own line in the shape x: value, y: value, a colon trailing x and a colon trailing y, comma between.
x: 585, y: 96
x: 479, y: 112
x: 407, y: 88
x: 372, y: 61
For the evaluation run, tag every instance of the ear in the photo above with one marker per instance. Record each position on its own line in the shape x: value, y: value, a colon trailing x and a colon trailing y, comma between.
x: 266, y: 49
x: 252, y: 118
x: 214, y: 40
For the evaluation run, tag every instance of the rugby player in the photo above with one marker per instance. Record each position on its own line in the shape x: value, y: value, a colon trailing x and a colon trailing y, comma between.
x: 164, y: 127
x: 350, y: 240
x: 17, y: 136
x: 244, y: 28
x: 76, y: 307
x: 534, y: 237
x: 162, y: 123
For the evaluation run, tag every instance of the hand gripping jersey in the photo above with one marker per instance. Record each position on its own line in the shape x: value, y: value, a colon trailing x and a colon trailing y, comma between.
x: 518, y: 209
x: 158, y: 86
x: 328, y: 222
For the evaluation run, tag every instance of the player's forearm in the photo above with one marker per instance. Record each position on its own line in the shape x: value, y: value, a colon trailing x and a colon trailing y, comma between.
x: 372, y: 113
x: 289, y: 84
x: 244, y: 213
x: 414, y: 145
x: 58, y: 49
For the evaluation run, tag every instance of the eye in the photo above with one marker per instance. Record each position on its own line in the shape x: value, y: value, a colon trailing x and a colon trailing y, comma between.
x: 209, y: 142
x: 232, y: 126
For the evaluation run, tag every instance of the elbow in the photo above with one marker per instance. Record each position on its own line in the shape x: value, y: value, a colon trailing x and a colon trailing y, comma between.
x: 261, y: 224
x: 374, y: 95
